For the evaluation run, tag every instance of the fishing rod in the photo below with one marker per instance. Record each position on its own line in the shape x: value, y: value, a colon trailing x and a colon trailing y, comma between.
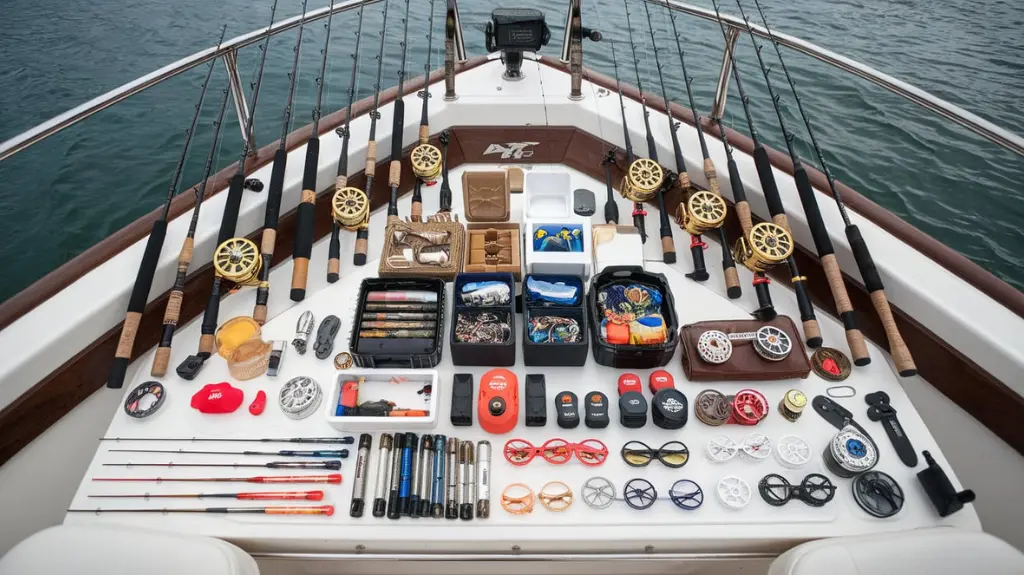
x: 259, y: 313
x: 305, y: 213
x: 703, y: 210
x: 646, y: 176
x: 765, y: 310
x: 638, y: 207
x: 350, y: 207
x: 342, y: 453
x: 234, y: 259
x: 172, y: 314
x: 327, y: 510
x: 154, y: 245
x: 822, y: 242
x: 332, y: 465
x: 398, y: 127
x: 872, y: 281
x: 242, y: 496
x: 768, y: 244
x: 334, y: 478
x: 611, y: 209
x: 347, y: 440
x: 444, y: 212
x: 425, y: 157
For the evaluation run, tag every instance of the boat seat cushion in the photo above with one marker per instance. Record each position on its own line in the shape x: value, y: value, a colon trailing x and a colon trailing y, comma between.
x: 935, y: 551
x: 115, y: 550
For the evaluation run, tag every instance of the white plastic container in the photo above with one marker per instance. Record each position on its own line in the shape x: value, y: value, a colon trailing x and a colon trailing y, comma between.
x: 401, y: 386
x: 549, y: 203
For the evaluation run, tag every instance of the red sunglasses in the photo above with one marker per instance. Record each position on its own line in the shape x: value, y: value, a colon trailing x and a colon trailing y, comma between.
x: 590, y: 452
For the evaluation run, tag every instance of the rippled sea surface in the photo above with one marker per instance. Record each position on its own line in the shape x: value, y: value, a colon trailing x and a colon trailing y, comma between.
x: 72, y: 190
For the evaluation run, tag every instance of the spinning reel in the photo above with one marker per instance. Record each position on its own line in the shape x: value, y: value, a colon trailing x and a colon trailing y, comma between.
x: 350, y: 208
x: 815, y: 490
x: 426, y: 162
x: 643, y: 179
x: 704, y: 211
x: 768, y: 245
x: 238, y: 260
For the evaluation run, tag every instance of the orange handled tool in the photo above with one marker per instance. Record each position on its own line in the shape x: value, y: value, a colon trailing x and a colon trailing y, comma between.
x: 321, y: 510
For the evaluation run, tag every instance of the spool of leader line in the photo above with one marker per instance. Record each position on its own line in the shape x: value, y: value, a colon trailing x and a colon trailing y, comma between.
x: 669, y: 409
x: 145, y: 400
x: 300, y: 397
x: 792, y: 404
x: 850, y: 452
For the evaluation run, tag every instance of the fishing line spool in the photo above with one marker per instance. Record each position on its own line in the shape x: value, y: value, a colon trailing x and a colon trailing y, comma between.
x: 792, y: 405
x: 850, y: 452
x: 145, y: 400
x: 770, y: 342
x: 704, y: 211
x: 792, y: 451
x: 878, y: 494
x: 238, y: 260
x: 733, y: 492
x: 350, y: 208
x: 768, y: 245
x: 643, y: 179
x: 426, y: 162
x: 300, y: 397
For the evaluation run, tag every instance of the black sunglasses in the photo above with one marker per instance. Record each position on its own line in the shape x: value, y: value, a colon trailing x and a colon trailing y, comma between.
x: 673, y: 454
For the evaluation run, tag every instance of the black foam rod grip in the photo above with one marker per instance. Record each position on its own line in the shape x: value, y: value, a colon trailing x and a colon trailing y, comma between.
x: 397, y: 129
x: 803, y: 185
x: 700, y: 270
x: 334, y: 247
x: 768, y: 186
x: 150, y: 258
x: 312, y: 165
x: 230, y: 218
x: 868, y: 271
x: 209, y: 325
x: 276, y: 187
x: 803, y: 301
x: 739, y: 194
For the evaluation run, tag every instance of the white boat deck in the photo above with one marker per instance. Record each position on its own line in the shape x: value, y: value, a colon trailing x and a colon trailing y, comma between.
x: 713, y: 528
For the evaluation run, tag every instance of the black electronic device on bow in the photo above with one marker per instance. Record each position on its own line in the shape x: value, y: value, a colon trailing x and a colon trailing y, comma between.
x: 514, y: 31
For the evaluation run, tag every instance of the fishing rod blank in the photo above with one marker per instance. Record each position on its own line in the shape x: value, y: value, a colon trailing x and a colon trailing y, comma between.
x: 350, y: 207
x: 822, y: 242
x: 189, y: 368
x: 327, y: 510
x: 154, y: 245
x: 347, y: 440
x: 244, y: 496
x: 332, y: 465
x: 425, y: 157
x: 770, y: 243
x: 306, y: 211
x: 259, y: 313
x: 334, y: 478
x: 872, y: 281
x: 342, y: 453
x: 398, y: 127
x: 638, y: 207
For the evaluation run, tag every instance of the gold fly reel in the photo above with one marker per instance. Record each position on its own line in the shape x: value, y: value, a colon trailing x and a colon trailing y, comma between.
x: 350, y: 208
x: 643, y: 180
x: 767, y: 246
x: 704, y: 211
x: 238, y: 260
x: 426, y: 161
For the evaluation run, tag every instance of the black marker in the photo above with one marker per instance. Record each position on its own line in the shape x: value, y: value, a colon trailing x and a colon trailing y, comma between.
x: 396, y: 476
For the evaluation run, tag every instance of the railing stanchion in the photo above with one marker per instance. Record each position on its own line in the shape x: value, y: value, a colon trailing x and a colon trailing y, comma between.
x: 722, y: 91
x: 238, y: 95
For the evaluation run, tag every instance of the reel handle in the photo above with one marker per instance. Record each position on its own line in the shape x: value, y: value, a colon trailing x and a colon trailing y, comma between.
x: 700, y: 270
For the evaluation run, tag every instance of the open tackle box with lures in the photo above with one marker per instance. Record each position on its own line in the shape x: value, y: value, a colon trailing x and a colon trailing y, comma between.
x: 483, y: 331
x: 399, y: 322
x: 370, y: 399
x: 554, y: 320
x: 632, y: 318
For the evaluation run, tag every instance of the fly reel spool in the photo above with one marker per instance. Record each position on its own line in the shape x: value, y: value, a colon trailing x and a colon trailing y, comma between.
x: 238, y: 260
x: 704, y: 211
x: 426, y: 162
x: 643, y: 180
x: 768, y: 245
x: 350, y: 208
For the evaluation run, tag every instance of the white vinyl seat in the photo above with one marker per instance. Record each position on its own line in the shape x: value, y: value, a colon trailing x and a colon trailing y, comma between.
x: 934, y: 551
x: 113, y: 550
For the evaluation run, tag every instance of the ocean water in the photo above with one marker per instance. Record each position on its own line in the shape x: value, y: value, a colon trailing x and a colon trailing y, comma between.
x: 67, y: 193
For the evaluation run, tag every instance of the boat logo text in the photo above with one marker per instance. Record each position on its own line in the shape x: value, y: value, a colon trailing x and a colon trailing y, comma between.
x: 511, y: 150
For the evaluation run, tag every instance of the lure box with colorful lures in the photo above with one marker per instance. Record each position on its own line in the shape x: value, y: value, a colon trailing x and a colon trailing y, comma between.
x: 383, y: 398
x: 632, y: 318
x: 483, y: 322
x: 399, y: 322
x: 554, y: 320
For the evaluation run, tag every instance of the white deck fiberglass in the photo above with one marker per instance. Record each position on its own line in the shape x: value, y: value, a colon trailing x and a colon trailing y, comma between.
x: 713, y: 528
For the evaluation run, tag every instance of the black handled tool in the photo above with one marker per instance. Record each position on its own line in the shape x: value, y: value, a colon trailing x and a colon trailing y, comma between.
x: 880, y: 410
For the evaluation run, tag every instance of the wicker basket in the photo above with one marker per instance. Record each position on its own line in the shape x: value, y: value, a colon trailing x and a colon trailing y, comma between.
x: 445, y: 272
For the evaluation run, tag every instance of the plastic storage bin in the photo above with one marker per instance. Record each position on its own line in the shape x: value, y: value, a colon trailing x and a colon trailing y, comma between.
x: 378, y: 385
x: 484, y: 354
x: 628, y: 356
x: 555, y: 354
x: 416, y: 353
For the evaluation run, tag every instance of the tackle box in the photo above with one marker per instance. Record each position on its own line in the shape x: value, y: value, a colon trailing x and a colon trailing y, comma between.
x: 630, y: 356
x: 407, y: 389
x: 484, y: 354
x: 416, y: 353
x: 555, y: 354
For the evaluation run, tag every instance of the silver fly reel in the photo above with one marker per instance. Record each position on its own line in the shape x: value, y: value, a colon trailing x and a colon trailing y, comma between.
x: 300, y: 397
x: 850, y: 452
x: 770, y: 342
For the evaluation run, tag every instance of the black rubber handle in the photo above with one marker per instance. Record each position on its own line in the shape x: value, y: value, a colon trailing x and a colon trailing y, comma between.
x: 739, y: 194
x: 312, y: 166
x: 768, y: 186
x: 276, y: 187
x: 700, y: 270
x: 304, y: 215
x: 868, y: 271
x: 397, y: 129
x: 765, y: 309
x: 334, y: 250
x: 209, y: 325
x: 638, y: 222
x: 814, y: 221
x: 231, y: 206
x: 147, y: 269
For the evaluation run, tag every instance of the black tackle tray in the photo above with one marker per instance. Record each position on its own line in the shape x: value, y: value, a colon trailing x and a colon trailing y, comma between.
x: 484, y: 354
x: 555, y: 354
x: 632, y: 356
x: 414, y: 353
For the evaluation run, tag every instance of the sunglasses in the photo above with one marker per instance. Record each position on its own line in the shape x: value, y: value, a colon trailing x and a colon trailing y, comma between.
x: 558, y: 451
x: 673, y: 454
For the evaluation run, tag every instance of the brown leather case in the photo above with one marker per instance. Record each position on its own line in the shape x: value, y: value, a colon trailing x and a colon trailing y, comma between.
x: 745, y: 364
x: 485, y: 196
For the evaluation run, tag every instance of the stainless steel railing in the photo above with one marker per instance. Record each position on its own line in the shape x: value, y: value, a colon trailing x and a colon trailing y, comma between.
x: 228, y: 52
x: 736, y: 26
